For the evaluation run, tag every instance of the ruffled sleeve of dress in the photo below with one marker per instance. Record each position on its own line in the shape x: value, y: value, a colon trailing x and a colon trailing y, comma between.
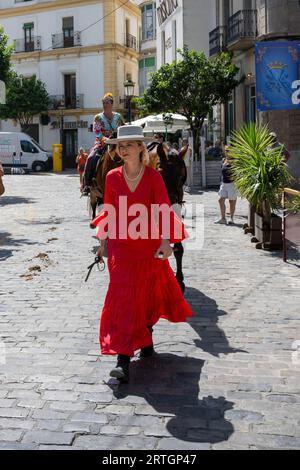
x: 105, y: 221
x: 174, y: 230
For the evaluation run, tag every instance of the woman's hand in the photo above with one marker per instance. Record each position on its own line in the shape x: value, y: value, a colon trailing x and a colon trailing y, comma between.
x: 101, y: 249
x: 165, y: 249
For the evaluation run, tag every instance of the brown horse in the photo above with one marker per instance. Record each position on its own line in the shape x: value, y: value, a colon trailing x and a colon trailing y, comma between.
x: 174, y: 173
x: 108, y: 161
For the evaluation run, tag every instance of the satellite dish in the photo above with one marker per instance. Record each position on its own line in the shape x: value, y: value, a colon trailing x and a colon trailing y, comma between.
x: 2, y: 93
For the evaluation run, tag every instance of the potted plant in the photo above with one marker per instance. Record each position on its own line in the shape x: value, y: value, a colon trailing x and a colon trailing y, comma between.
x: 260, y: 176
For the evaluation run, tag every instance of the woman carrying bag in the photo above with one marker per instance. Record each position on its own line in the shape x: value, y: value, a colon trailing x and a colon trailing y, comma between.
x: 142, y: 286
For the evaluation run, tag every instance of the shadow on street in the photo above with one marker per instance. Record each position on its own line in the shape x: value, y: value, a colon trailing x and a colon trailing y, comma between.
x: 6, y: 240
x: 170, y: 385
x: 205, y: 323
x: 11, y: 200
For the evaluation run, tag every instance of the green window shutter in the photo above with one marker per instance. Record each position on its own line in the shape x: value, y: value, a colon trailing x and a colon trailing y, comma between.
x: 141, y: 64
x: 150, y: 62
x: 28, y: 26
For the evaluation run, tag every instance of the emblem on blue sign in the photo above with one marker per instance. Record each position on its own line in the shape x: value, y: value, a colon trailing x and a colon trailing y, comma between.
x: 277, y: 75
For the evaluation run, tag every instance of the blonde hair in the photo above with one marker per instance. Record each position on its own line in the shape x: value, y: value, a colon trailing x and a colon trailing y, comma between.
x: 144, y: 155
x: 108, y: 97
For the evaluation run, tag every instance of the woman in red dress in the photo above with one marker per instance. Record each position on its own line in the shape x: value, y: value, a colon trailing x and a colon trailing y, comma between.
x: 142, y: 286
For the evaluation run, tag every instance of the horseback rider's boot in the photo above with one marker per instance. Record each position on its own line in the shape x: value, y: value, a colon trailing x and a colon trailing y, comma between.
x: 121, y: 371
x: 148, y: 351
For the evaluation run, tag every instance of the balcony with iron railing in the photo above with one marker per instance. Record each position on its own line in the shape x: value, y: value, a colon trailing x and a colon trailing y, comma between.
x: 217, y: 40
x: 22, y: 45
x: 130, y: 41
x: 66, y: 102
x: 242, y: 29
x: 63, y: 41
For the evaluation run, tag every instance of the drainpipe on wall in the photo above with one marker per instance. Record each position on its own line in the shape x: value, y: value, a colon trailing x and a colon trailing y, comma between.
x: 266, y: 17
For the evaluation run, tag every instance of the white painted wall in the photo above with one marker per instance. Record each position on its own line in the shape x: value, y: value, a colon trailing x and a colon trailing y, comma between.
x: 121, y: 16
x: 168, y: 30
x: 198, y: 21
x: 194, y: 20
x: 50, y: 22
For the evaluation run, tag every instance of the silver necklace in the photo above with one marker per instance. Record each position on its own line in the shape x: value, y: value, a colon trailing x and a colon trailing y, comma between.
x: 136, y: 177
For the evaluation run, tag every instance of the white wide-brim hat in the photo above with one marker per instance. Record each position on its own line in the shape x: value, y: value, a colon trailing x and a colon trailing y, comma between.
x: 130, y: 133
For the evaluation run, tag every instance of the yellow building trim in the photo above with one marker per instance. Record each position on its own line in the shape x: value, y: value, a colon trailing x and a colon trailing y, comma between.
x: 75, y: 112
x: 77, y: 51
x: 82, y: 111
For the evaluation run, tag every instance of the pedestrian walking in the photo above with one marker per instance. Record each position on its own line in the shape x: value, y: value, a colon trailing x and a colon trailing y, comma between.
x: 227, y: 190
x: 2, y: 188
x: 188, y: 160
x: 276, y: 144
x: 142, y: 286
x: 81, y: 161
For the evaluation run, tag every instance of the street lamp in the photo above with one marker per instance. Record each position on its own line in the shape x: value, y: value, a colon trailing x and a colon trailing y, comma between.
x: 129, y: 93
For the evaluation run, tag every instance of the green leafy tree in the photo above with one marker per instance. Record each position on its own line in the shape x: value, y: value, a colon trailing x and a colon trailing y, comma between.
x: 26, y: 97
x: 191, y: 87
x: 5, y: 56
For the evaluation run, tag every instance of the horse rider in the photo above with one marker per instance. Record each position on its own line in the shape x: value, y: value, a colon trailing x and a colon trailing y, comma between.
x: 107, y: 122
x: 105, y: 126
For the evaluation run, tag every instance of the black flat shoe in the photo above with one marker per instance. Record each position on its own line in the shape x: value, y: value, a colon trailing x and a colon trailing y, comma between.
x: 148, y: 351
x: 121, y: 371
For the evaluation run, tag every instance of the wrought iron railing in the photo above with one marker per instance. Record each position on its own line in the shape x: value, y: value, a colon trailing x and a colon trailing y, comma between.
x: 242, y: 24
x: 66, y: 102
x: 217, y: 40
x: 61, y: 40
x: 22, y: 45
x: 130, y: 41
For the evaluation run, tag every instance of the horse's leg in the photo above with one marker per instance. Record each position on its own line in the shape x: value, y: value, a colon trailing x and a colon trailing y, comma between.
x: 94, y: 207
x: 93, y: 203
x: 178, y: 253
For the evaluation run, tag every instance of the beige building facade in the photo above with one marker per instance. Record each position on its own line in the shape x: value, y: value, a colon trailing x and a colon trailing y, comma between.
x: 80, y: 49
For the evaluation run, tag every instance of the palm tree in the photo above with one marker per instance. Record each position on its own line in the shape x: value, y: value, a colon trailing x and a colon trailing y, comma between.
x: 260, y: 174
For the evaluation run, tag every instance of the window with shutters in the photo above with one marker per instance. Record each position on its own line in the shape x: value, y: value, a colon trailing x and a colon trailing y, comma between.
x: 28, y: 37
x: 68, y: 31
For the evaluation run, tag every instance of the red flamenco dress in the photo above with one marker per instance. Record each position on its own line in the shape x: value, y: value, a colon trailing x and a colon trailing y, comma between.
x: 142, y: 288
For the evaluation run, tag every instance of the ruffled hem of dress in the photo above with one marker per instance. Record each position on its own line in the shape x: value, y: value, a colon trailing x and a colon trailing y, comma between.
x: 148, y: 291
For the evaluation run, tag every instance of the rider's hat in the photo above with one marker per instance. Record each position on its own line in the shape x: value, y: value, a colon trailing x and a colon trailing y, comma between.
x: 108, y: 97
x: 134, y: 133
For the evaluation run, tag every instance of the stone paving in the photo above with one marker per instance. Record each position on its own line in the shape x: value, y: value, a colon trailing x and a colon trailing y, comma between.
x: 228, y: 379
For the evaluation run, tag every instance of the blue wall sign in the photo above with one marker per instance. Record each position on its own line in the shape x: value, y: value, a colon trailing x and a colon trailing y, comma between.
x: 277, y: 75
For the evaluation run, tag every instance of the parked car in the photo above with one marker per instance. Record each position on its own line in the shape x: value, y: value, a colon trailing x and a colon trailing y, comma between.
x: 19, y: 150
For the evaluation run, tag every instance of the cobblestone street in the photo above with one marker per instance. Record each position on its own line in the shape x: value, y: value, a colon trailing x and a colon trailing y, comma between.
x: 227, y: 379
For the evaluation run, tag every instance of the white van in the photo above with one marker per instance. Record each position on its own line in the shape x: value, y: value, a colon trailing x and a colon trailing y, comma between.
x: 19, y: 150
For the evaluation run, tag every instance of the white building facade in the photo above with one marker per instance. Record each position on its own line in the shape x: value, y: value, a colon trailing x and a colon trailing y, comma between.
x: 182, y: 23
x: 80, y: 49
